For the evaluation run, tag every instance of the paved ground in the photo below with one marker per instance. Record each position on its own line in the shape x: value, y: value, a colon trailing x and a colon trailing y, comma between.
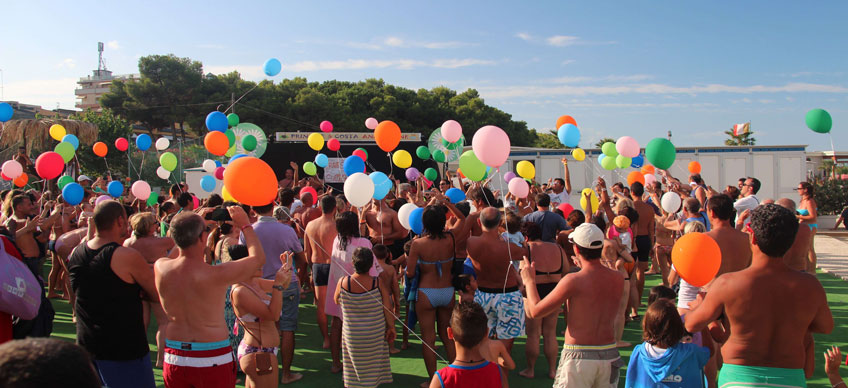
x: 832, y: 253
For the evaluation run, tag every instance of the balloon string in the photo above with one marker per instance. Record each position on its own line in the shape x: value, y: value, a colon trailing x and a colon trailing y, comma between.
x: 141, y: 166
x: 508, y: 250
x: 107, y: 166
x: 242, y: 96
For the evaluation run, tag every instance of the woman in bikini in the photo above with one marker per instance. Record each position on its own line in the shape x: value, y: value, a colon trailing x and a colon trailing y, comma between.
x: 808, y: 215
x: 551, y: 264
x: 431, y: 257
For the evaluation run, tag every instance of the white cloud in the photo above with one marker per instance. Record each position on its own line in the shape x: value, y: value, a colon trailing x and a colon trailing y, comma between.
x: 562, y: 40
x: 609, y: 78
x: 393, y: 41
x: 568, y: 62
x: 575, y: 90
x: 255, y: 72
x: 113, y: 45
x: 68, y: 63
x: 524, y: 36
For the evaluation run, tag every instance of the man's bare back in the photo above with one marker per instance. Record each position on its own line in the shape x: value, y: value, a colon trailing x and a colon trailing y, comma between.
x: 644, y: 226
x: 735, y: 249
x: 320, y: 235
x: 152, y: 248
x: 192, y: 299
x: 490, y: 255
x: 592, y: 305
x: 796, y: 257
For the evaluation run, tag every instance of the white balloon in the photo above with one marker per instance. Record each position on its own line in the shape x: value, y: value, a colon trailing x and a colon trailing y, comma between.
x: 209, y: 166
x: 12, y: 169
x: 671, y: 202
x: 649, y: 179
x: 358, y: 189
x: 162, y: 144
x: 403, y: 214
x: 163, y: 173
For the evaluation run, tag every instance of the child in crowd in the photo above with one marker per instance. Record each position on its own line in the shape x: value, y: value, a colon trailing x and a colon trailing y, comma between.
x: 492, y: 350
x: 512, y: 233
x: 663, y: 360
x: 389, y: 277
x: 466, y: 286
x: 470, y: 369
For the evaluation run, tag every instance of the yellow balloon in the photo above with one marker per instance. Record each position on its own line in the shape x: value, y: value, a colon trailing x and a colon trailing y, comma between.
x: 402, y: 158
x: 578, y: 154
x: 315, y: 141
x: 593, y: 202
x: 226, y: 195
x: 57, y: 132
x: 525, y: 169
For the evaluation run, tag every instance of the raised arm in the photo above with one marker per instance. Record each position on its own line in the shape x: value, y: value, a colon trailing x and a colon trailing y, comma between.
x: 707, y: 309
x: 241, y: 270
x: 567, y: 175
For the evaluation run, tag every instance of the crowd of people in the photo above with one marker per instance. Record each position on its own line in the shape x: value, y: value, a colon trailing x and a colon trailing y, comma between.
x: 224, y: 281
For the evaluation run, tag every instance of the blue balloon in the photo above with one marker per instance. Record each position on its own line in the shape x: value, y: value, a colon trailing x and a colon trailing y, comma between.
x: 600, y: 158
x: 455, y: 195
x: 143, y: 141
x: 71, y: 139
x: 115, y: 189
x: 637, y: 162
x: 207, y: 183
x: 416, y: 221
x: 382, y: 184
x: 321, y: 160
x: 272, y: 67
x: 569, y: 135
x: 72, y: 193
x: 6, y: 112
x: 236, y: 156
x: 217, y: 121
x: 218, y: 163
x: 353, y: 164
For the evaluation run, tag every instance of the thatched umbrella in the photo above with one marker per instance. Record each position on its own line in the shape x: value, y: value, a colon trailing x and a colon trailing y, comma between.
x: 35, y: 134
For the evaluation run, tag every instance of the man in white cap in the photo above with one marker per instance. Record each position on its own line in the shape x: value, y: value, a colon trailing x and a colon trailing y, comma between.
x: 589, y: 357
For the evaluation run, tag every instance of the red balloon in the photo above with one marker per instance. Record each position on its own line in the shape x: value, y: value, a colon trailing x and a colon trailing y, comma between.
x: 361, y: 154
x: 219, y: 173
x: 333, y: 144
x: 309, y: 190
x: 5, y: 178
x: 122, y: 144
x: 49, y: 165
x: 566, y: 209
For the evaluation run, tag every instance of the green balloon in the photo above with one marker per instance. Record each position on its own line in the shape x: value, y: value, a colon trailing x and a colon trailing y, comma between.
x: 661, y: 153
x: 233, y: 119
x: 66, y: 150
x: 819, y: 120
x: 608, y: 163
x: 63, y: 181
x: 423, y: 152
x: 472, y: 167
x: 153, y: 198
x: 431, y: 174
x: 248, y: 142
x: 168, y: 161
x: 231, y: 136
x: 622, y: 161
x: 439, y: 156
x: 309, y: 168
x: 609, y: 149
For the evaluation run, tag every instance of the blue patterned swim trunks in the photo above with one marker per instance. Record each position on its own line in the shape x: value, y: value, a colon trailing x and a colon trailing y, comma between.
x: 505, y: 312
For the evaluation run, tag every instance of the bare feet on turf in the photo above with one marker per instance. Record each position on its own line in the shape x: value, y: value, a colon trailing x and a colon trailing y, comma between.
x: 335, y: 369
x: 326, y: 344
x: 291, y: 378
x: 527, y: 373
x: 394, y: 350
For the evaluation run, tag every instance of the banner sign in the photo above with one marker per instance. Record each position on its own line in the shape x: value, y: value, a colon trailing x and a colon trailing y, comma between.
x: 344, y: 137
x: 334, y: 172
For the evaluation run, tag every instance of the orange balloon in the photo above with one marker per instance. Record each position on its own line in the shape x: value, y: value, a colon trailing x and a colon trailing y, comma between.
x: 694, y: 167
x: 648, y: 169
x: 461, y: 175
x: 696, y: 257
x: 635, y: 176
x: 217, y: 143
x: 387, y: 135
x: 21, y: 180
x: 566, y: 119
x: 250, y: 180
x: 100, y: 149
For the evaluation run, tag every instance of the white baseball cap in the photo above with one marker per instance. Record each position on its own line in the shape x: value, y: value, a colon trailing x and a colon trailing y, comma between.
x: 83, y: 178
x: 587, y: 235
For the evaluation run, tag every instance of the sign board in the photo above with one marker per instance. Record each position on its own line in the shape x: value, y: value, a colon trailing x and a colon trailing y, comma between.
x: 334, y: 172
x: 343, y: 137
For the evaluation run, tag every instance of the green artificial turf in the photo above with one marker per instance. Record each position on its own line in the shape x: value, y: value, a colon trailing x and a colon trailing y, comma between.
x: 408, y: 366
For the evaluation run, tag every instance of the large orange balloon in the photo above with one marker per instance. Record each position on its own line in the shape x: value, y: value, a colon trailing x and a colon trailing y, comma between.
x: 635, y: 176
x: 250, y: 181
x: 216, y: 143
x: 648, y: 169
x: 387, y: 135
x: 696, y: 258
x: 21, y: 180
x: 566, y: 119
x: 694, y: 167
x: 100, y: 149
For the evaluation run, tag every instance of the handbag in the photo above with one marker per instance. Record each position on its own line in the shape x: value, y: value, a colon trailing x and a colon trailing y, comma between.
x: 264, y: 364
x: 20, y: 291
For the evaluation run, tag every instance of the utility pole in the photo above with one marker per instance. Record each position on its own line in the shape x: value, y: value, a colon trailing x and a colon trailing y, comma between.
x: 669, y: 135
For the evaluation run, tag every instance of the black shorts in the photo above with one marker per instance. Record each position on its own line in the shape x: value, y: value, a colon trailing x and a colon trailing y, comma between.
x: 643, y: 244
x: 320, y: 274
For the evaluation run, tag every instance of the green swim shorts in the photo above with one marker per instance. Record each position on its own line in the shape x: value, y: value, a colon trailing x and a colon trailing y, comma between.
x: 741, y: 376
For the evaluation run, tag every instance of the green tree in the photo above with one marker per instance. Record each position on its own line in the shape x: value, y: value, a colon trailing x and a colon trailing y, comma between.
x: 109, y: 128
x: 742, y: 139
x: 547, y: 140
x: 601, y: 142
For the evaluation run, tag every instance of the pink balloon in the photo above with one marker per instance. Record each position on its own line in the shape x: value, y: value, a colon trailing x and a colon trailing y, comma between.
x: 627, y: 146
x: 649, y: 179
x: 519, y: 187
x: 491, y: 145
x: 12, y: 169
x: 101, y: 199
x: 451, y: 131
x: 326, y: 126
x: 371, y: 123
x: 219, y: 173
x: 141, y: 190
x: 508, y: 176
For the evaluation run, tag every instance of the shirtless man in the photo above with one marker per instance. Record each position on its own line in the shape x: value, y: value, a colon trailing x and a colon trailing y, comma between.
x: 796, y: 256
x: 299, y: 215
x: 734, y: 245
x: 318, y: 243
x: 29, y: 232
x: 497, y: 280
x: 766, y: 345
x: 644, y: 231
x: 193, y: 293
x: 592, y: 295
x: 383, y: 224
x: 65, y: 244
x: 290, y: 177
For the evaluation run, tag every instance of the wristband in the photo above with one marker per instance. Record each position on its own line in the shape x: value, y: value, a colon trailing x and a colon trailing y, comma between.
x: 278, y: 287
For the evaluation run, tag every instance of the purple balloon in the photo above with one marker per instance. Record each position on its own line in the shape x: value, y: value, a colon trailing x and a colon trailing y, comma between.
x: 412, y: 173
x: 508, y: 176
x: 101, y: 199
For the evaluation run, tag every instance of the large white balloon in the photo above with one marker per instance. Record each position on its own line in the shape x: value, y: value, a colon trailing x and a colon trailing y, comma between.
x: 403, y: 214
x: 358, y: 189
x: 162, y: 144
x: 671, y: 202
x: 163, y: 173
x: 209, y: 166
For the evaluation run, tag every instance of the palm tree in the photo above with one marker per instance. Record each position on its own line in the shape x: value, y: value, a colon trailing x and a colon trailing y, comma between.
x: 601, y: 142
x: 742, y: 139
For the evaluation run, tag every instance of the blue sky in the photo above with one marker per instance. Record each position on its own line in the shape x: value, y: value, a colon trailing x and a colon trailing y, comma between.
x: 620, y: 68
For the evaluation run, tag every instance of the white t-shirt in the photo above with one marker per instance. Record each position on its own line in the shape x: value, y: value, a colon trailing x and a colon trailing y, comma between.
x: 557, y: 199
x: 747, y: 203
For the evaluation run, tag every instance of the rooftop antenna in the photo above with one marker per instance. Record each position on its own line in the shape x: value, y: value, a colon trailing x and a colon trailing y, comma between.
x: 669, y: 135
x: 101, y: 65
